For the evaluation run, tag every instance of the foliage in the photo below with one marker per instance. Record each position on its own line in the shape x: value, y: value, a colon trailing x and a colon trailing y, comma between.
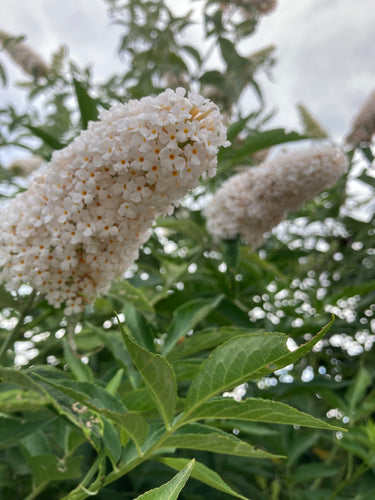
x: 185, y: 359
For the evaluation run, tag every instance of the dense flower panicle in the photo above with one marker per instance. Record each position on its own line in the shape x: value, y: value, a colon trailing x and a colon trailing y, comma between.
x: 263, y: 6
x: 25, y: 57
x: 249, y: 7
x: 363, y: 127
x: 253, y: 202
x: 85, y: 216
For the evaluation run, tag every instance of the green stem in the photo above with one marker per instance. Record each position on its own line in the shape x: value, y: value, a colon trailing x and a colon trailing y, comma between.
x: 361, y: 470
x: 18, y: 329
x: 82, y: 488
x: 36, y: 491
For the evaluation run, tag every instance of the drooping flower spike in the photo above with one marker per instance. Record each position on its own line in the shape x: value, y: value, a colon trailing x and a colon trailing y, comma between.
x: 253, y: 202
x: 85, y: 216
x: 24, y: 56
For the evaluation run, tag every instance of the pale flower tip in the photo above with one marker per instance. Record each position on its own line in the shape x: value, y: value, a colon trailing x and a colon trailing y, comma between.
x: 24, y: 56
x: 363, y: 127
x: 251, y: 203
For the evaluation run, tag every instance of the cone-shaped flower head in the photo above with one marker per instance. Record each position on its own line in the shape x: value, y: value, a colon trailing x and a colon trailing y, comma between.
x: 84, y: 217
x: 251, y: 7
x: 262, y: 6
x: 253, y: 202
x: 363, y: 127
x: 24, y: 56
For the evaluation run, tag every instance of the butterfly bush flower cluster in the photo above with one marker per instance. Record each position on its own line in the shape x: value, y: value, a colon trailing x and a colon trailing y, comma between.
x: 363, y: 127
x: 253, y: 202
x: 84, y: 217
x: 251, y: 7
x: 24, y: 56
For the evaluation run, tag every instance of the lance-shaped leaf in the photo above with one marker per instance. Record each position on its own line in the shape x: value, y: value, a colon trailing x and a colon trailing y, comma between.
x: 46, y: 137
x: 132, y: 295
x: 258, y: 410
x: 186, y: 317
x: 12, y: 429
x: 87, y: 105
x: 205, y: 340
x: 80, y: 370
x: 47, y: 467
x: 133, y: 423
x: 158, y: 376
x: 171, y: 489
x: 243, y: 358
x: 87, y: 393
x: 104, y: 403
x: 205, y: 438
x: 184, y: 226
x: 203, y: 474
x: 18, y: 400
x: 20, y: 379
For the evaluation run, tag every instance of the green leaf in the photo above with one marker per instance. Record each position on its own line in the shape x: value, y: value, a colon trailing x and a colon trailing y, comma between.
x: 235, y: 128
x: 139, y: 327
x: 186, y: 317
x: 87, y: 105
x: 186, y: 227
x: 158, y: 376
x: 351, y: 290
x: 88, y: 394
x: 7, y: 299
x: 134, y: 425
x: 3, y: 75
x: 186, y: 370
x: 255, y: 142
x: 114, y: 343
x: 80, y: 370
x: 212, y: 78
x: 302, y: 442
x: 104, y: 403
x: 233, y: 363
x: 114, y: 383
x: 132, y: 295
x: 205, y: 340
x: 312, y: 128
x: 12, y: 429
x: 46, y: 137
x: 18, y: 400
x: 228, y: 51
x: 357, y: 390
x: 48, y: 467
x: 241, y: 359
x: 171, y: 489
x: 292, y: 357
x: 139, y: 400
x: 231, y: 252
x: 307, y: 472
x: 201, y: 437
x: 193, y: 52
x: 111, y: 442
x: 258, y: 410
x: 203, y: 474
x: 20, y: 379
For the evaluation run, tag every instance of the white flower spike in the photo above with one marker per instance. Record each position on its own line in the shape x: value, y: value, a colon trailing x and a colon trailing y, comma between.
x: 85, y: 216
x: 253, y: 202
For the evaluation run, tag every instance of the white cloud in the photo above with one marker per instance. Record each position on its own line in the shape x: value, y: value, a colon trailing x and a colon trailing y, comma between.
x: 325, y: 49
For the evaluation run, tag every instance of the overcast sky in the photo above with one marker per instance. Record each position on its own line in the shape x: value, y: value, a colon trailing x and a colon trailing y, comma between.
x: 325, y: 50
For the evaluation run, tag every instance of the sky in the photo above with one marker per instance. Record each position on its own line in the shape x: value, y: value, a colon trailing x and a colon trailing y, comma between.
x: 325, y: 50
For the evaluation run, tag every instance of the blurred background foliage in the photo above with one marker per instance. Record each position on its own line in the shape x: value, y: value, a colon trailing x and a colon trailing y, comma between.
x: 318, y: 262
